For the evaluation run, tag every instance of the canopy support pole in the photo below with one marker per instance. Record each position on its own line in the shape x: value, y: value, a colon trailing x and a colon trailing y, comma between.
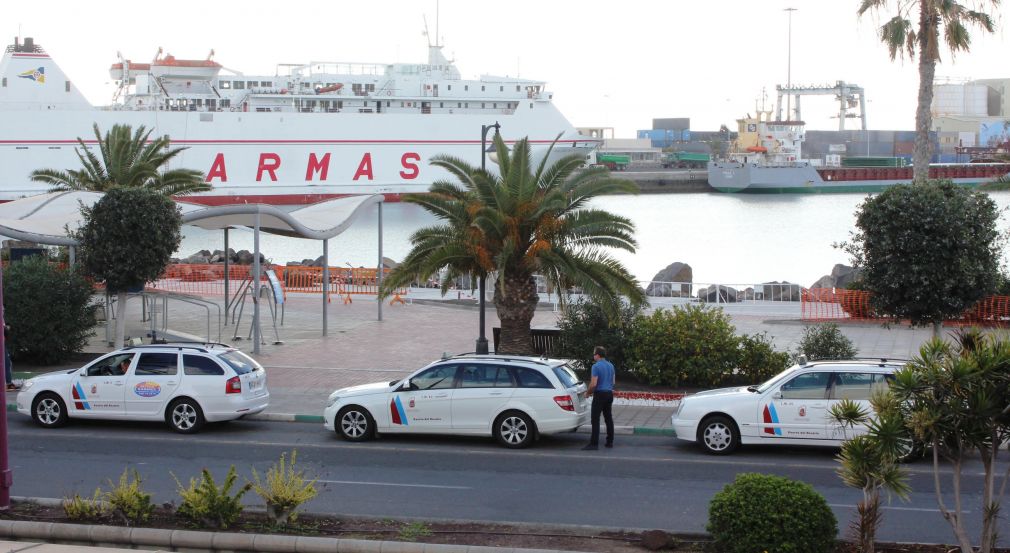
x: 378, y: 299
x: 227, y: 260
x: 326, y: 281
x: 256, y: 284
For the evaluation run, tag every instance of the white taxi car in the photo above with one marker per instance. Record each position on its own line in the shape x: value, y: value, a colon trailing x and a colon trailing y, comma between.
x: 791, y: 408
x: 510, y: 398
x: 184, y: 385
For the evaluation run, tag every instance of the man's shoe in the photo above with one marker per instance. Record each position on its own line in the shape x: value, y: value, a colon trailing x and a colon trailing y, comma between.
x: 590, y: 447
x: 608, y: 445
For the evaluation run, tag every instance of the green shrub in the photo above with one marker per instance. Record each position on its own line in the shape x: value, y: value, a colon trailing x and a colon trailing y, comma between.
x: 127, y: 500
x: 758, y: 361
x: 49, y: 311
x: 414, y: 530
x: 584, y: 325
x: 692, y: 345
x: 205, y: 504
x: 760, y: 512
x: 825, y: 341
x: 84, y: 508
x: 284, y: 489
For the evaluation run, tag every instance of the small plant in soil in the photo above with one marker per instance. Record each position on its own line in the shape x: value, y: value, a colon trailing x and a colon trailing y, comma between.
x: 414, y: 530
x: 84, y: 508
x: 129, y: 503
x: 284, y: 489
x: 207, y: 505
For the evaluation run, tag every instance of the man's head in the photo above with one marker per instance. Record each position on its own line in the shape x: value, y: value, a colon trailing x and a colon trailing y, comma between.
x: 600, y: 352
x: 124, y: 365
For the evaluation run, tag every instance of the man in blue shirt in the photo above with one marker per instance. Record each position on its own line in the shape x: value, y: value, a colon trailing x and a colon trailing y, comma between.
x: 601, y: 389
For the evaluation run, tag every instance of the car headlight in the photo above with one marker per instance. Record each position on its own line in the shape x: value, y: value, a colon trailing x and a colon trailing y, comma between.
x: 27, y: 385
x: 332, y: 399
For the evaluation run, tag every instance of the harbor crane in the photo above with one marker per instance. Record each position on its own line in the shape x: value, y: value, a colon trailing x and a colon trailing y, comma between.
x: 848, y: 96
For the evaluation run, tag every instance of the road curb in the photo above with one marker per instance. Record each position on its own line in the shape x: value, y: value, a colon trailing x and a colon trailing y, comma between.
x: 318, y: 419
x: 116, y: 536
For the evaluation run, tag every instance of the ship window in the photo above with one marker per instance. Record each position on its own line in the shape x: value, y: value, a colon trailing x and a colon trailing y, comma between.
x: 466, y: 87
x: 450, y: 86
x: 68, y: 86
x: 5, y: 82
x: 467, y: 104
x: 482, y: 105
x: 459, y: 104
x: 531, y: 105
x: 239, y: 85
x: 517, y: 88
x: 441, y: 104
x: 401, y: 104
x: 225, y: 103
x: 495, y: 105
x: 266, y: 84
x: 225, y: 85
x: 501, y: 89
x: 482, y: 88
x: 340, y: 104
x: 387, y: 103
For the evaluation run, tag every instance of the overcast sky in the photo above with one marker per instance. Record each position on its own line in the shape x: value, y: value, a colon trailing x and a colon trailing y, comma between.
x: 615, y: 64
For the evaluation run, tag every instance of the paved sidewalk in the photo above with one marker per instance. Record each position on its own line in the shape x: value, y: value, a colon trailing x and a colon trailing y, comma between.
x: 358, y: 348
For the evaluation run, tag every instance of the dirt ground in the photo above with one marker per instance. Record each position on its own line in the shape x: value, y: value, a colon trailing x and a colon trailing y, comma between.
x: 440, y: 532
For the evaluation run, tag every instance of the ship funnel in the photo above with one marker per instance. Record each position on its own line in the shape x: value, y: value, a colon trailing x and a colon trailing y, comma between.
x: 31, y: 80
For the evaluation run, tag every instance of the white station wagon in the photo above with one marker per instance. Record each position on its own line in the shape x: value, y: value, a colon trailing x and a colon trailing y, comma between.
x: 183, y: 385
x: 791, y: 408
x: 509, y: 397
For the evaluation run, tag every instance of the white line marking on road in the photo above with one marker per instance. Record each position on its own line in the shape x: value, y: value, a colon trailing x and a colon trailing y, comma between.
x: 916, y: 509
x: 355, y: 483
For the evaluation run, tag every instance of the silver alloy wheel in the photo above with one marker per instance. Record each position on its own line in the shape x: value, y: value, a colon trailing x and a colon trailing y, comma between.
x: 184, y: 416
x: 513, y: 430
x: 48, y: 411
x: 354, y: 424
x: 718, y: 436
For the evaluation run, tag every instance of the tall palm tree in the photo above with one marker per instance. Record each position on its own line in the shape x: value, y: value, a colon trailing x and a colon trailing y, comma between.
x: 523, y: 222
x: 902, y: 35
x: 128, y: 158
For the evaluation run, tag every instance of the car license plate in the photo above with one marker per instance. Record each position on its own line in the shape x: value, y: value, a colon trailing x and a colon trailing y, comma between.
x: 254, y: 384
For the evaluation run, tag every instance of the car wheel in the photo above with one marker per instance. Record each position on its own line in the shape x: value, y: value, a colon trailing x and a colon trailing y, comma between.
x: 49, y: 411
x: 184, y: 416
x: 514, y: 430
x: 910, y: 450
x: 719, y: 435
x: 355, y: 424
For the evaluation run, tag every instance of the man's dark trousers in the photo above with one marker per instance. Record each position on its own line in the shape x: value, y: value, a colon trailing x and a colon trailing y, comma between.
x: 603, y: 402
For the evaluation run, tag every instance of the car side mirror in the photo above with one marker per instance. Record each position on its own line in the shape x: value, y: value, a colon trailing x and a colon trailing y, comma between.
x: 406, y: 385
x: 83, y: 372
x: 393, y: 382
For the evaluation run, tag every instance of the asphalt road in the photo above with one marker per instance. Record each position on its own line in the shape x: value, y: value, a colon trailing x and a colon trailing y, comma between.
x: 644, y: 482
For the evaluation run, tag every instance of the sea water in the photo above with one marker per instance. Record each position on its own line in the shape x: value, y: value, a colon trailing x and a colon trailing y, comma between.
x: 725, y: 238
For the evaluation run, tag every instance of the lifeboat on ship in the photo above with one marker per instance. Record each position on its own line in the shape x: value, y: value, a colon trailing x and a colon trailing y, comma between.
x: 757, y: 149
x: 330, y: 88
x: 170, y: 66
x: 133, y: 69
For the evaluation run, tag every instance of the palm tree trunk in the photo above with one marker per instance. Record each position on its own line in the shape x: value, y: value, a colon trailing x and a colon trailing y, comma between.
x: 928, y: 27
x: 121, y: 319
x: 516, y: 301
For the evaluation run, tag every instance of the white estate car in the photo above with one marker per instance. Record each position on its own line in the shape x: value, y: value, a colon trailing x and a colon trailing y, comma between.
x: 791, y: 408
x: 511, y: 398
x: 184, y: 385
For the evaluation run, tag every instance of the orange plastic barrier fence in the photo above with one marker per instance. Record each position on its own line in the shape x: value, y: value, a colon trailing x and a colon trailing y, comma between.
x: 831, y: 304
x: 208, y: 280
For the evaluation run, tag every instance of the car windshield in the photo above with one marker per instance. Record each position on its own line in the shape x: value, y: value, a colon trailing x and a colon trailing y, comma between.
x: 566, y: 375
x: 773, y: 380
x: 241, y: 362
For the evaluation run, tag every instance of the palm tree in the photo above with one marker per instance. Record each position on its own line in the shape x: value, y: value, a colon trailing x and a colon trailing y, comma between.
x: 128, y: 158
x: 902, y: 35
x: 526, y: 221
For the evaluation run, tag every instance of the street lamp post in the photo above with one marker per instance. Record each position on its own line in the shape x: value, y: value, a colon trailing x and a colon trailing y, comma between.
x: 481, y: 347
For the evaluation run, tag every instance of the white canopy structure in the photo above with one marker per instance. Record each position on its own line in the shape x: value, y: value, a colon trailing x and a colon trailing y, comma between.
x: 46, y: 218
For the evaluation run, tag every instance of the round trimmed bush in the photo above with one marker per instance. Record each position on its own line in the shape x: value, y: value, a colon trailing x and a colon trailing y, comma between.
x: 761, y: 512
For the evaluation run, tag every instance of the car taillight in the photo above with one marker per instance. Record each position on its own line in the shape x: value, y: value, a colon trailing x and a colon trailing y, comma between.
x: 565, y: 402
x: 233, y: 386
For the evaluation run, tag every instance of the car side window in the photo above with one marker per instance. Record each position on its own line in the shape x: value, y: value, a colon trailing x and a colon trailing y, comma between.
x: 157, y: 364
x: 200, y: 365
x: 110, y: 365
x: 807, y: 386
x: 484, y: 376
x: 435, y: 378
x: 529, y: 378
x: 857, y: 386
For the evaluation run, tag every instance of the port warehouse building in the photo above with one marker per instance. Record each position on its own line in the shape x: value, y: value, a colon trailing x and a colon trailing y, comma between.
x: 966, y: 113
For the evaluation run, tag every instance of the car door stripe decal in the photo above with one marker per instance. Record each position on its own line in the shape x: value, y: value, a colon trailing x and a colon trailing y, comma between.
x: 771, y: 417
x: 396, y: 410
x: 81, y: 401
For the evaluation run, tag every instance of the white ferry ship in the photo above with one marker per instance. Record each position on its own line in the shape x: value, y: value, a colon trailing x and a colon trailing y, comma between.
x: 767, y: 158
x: 307, y: 133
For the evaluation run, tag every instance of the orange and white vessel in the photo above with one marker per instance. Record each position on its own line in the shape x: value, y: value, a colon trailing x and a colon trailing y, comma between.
x: 309, y: 132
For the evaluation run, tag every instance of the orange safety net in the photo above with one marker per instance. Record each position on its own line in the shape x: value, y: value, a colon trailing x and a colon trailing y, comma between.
x: 838, y: 305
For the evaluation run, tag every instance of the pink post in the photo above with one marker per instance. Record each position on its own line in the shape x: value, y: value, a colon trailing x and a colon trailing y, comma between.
x: 6, y: 476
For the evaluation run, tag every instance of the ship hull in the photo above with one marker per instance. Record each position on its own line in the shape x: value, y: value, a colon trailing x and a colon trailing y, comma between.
x: 283, y: 158
x: 735, y: 177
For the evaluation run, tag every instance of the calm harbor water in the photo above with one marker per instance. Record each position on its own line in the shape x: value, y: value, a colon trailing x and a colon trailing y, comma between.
x: 726, y: 238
